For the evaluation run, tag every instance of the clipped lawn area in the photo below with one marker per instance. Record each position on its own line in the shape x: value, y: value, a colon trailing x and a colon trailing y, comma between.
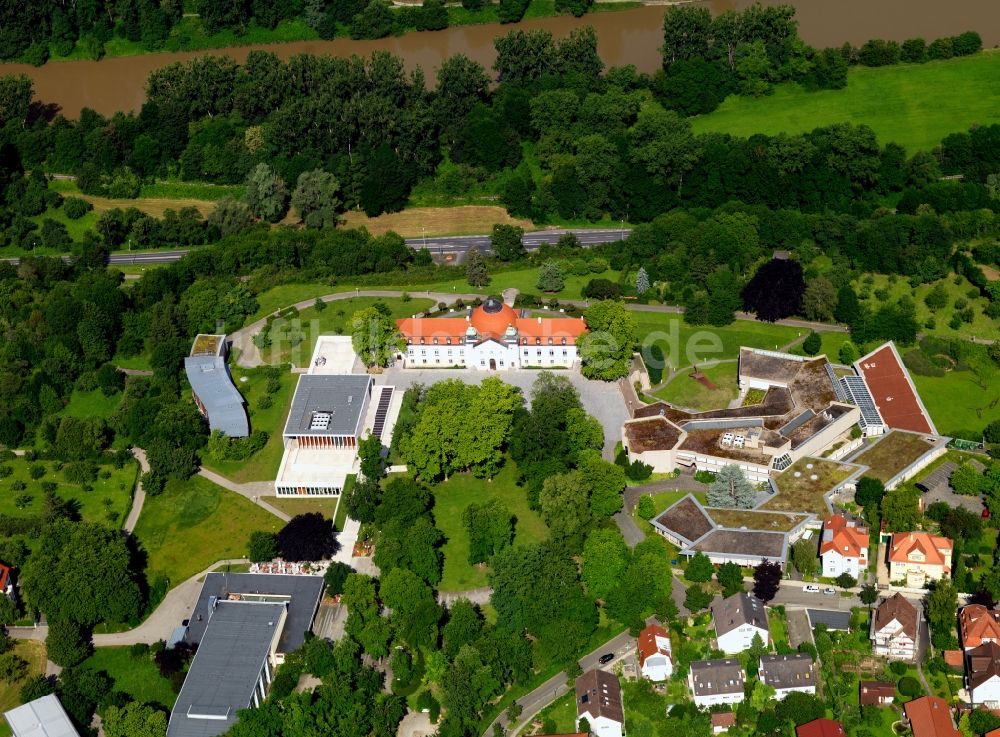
x: 753, y: 520
x: 416, y: 222
x: 915, y: 105
x: 957, y: 404
x: 450, y: 500
x: 10, y: 693
x: 890, y: 455
x: 137, y: 676
x: 194, y: 523
x: 684, y: 345
x: 262, y: 466
x: 685, y: 391
x: 802, y: 493
x: 335, y: 319
x: 830, y: 343
x: 91, y: 404
x: 107, y: 502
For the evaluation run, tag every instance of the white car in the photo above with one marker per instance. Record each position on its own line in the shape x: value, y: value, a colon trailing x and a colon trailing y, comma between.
x: 811, y: 589
x: 829, y: 591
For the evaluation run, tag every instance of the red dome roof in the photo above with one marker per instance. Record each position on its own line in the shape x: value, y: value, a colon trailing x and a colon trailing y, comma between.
x: 493, y: 317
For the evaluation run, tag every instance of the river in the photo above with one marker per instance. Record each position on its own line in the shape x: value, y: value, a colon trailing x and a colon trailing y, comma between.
x: 624, y: 37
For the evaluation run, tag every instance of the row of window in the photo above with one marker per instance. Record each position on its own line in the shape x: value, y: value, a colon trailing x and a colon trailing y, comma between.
x: 461, y: 352
x: 447, y: 341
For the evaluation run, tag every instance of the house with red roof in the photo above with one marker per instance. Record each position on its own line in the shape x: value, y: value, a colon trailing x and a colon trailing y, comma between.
x: 978, y: 625
x: 843, y: 547
x: 893, y: 391
x: 656, y: 661
x: 491, y: 337
x: 919, y: 557
x: 6, y: 582
x: 820, y: 728
x: 929, y: 716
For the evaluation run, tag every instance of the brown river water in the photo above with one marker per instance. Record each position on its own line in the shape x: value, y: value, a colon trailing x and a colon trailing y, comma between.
x: 624, y: 37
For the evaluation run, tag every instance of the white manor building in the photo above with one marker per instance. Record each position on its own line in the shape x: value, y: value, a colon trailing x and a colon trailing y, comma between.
x: 492, y: 337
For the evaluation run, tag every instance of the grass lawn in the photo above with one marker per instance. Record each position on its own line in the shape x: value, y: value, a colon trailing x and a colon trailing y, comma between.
x: 753, y: 520
x: 450, y: 500
x: 685, y: 345
x: 335, y: 319
x: 264, y: 464
x: 830, y: 343
x: 91, y: 404
x: 802, y: 493
x: 75, y: 228
x: 194, y: 523
x: 10, y: 693
x: 778, y: 627
x: 684, y: 391
x: 957, y: 404
x: 562, y: 713
x: 415, y: 222
x: 332, y: 507
x: 137, y: 676
x: 107, y: 502
x: 524, y: 280
x: 894, y: 452
x: 915, y: 105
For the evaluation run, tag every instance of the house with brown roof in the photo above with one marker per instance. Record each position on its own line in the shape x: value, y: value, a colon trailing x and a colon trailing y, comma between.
x: 893, y: 629
x: 919, y: 557
x: 655, y: 656
x: 599, y: 701
x: 716, y: 682
x: 722, y: 721
x: 929, y: 716
x: 788, y: 673
x: 978, y: 625
x: 738, y: 619
x: 876, y: 693
x: 820, y: 728
x: 843, y: 547
x: 983, y: 675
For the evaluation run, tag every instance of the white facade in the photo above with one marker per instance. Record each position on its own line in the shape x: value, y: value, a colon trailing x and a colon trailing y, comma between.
x: 490, y: 355
x: 834, y: 564
x: 601, y: 726
x: 987, y: 693
x: 893, y: 643
x: 733, y: 697
x: 740, y: 639
x: 657, y: 665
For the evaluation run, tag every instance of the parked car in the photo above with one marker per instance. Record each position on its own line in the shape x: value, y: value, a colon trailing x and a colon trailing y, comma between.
x: 811, y: 589
x: 829, y: 591
x: 606, y: 658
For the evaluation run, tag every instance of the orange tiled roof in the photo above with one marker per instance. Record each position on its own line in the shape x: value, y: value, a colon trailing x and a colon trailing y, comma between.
x: 433, y: 327
x: 977, y: 624
x: 570, y: 328
x: 929, y: 717
x: 851, y: 542
x: 903, y: 543
x: 646, y: 642
x: 820, y: 728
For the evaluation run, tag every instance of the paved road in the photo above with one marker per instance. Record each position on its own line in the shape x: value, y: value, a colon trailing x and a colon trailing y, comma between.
x: 140, y: 494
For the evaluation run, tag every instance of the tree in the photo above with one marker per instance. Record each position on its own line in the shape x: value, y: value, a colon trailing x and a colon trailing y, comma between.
x: 942, y: 603
x: 766, y: 580
x: 846, y: 581
x: 699, y: 569
x: 262, y: 546
x: 966, y: 480
x: 900, y: 511
x: 81, y: 572
x: 687, y: 33
x: 316, y: 198
x: 374, y: 336
x: 362, y: 500
x: 308, y: 537
x: 550, y: 277
x: 266, y: 194
x: 490, y: 527
x: 663, y: 144
x: 775, y: 291
x: 15, y: 99
x: 335, y: 576
x: 562, y: 509
x: 605, y: 558
x: 730, y: 578
x: 641, y: 281
x: 506, y: 243
x: 415, y: 612
x: 696, y: 598
x: 848, y: 354
x: 12, y: 667
x: 365, y: 624
x: 606, y: 349
x: 605, y: 483
x: 646, y: 508
x: 804, y: 557
x: 799, y: 708
x: 731, y: 489
x: 66, y: 643
x: 868, y: 594
x: 464, y: 626
x: 819, y: 299
x: 412, y: 544
x: 372, y: 463
x: 812, y: 344
x: 134, y: 720
x: 476, y: 272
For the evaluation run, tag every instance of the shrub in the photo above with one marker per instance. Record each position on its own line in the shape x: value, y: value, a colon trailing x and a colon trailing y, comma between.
x: 646, y: 507
x: 18, y: 485
x: 909, y: 686
x: 36, y: 471
x: 76, y: 207
x: 812, y: 344
x: 897, y: 668
x: 602, y: 289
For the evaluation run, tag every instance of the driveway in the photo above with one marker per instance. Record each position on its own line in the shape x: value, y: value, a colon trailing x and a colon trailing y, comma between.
x: 601, y: 399
x: 799, y: 630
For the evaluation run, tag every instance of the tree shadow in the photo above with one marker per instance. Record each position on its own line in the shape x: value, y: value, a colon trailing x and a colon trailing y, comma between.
x: 42, y: 111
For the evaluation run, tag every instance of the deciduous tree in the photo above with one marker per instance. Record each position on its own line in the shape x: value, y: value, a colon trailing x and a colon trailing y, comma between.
x: 606, y: 350
x: 308, y: 537
x: 374, y: 336
x: 766, y: 580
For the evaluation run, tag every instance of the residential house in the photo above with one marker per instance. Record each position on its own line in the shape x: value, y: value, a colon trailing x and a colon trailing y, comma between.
x: 6, y: 582
x: 655, y: 656
x: 820, y: 728
x: 983, y: 675
x: 716, y: 682
x: 788, y: 673
x: 894, y: 628
x: 722, y: 721
x: 929, y: 716
x: 978, y: 625
x: 738, y: 618
x: 599, y: 701
x: 919, y: 557
x: 877, y: 693
x: 843, y: 547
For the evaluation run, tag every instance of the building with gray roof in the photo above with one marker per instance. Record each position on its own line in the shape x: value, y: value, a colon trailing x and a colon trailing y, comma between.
x: 216, y: 396
x: 232, y: 669
x: 327, y: 410
x: 738, y: 619
x: 716, y: 682
x: 788, y: 673
x: 44, y: 717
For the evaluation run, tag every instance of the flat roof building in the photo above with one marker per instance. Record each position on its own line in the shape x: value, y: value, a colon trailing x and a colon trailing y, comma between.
x: 216, y: 396
x: 327, y: 409
x: 44, y: 717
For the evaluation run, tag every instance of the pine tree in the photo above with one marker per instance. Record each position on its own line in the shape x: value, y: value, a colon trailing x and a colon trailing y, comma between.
x: 731, y: 489
x: 550, y: 277
x: 641, y: 281
x: 475, y: 269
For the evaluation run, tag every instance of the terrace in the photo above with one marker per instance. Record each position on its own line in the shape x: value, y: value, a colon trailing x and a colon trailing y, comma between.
x: 655, y: 433
x: 803, y: 486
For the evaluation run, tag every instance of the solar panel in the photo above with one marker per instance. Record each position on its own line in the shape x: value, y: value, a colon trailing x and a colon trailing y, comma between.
x: 838, y: 388
x: 782, y: 462
x: 860, y: 396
